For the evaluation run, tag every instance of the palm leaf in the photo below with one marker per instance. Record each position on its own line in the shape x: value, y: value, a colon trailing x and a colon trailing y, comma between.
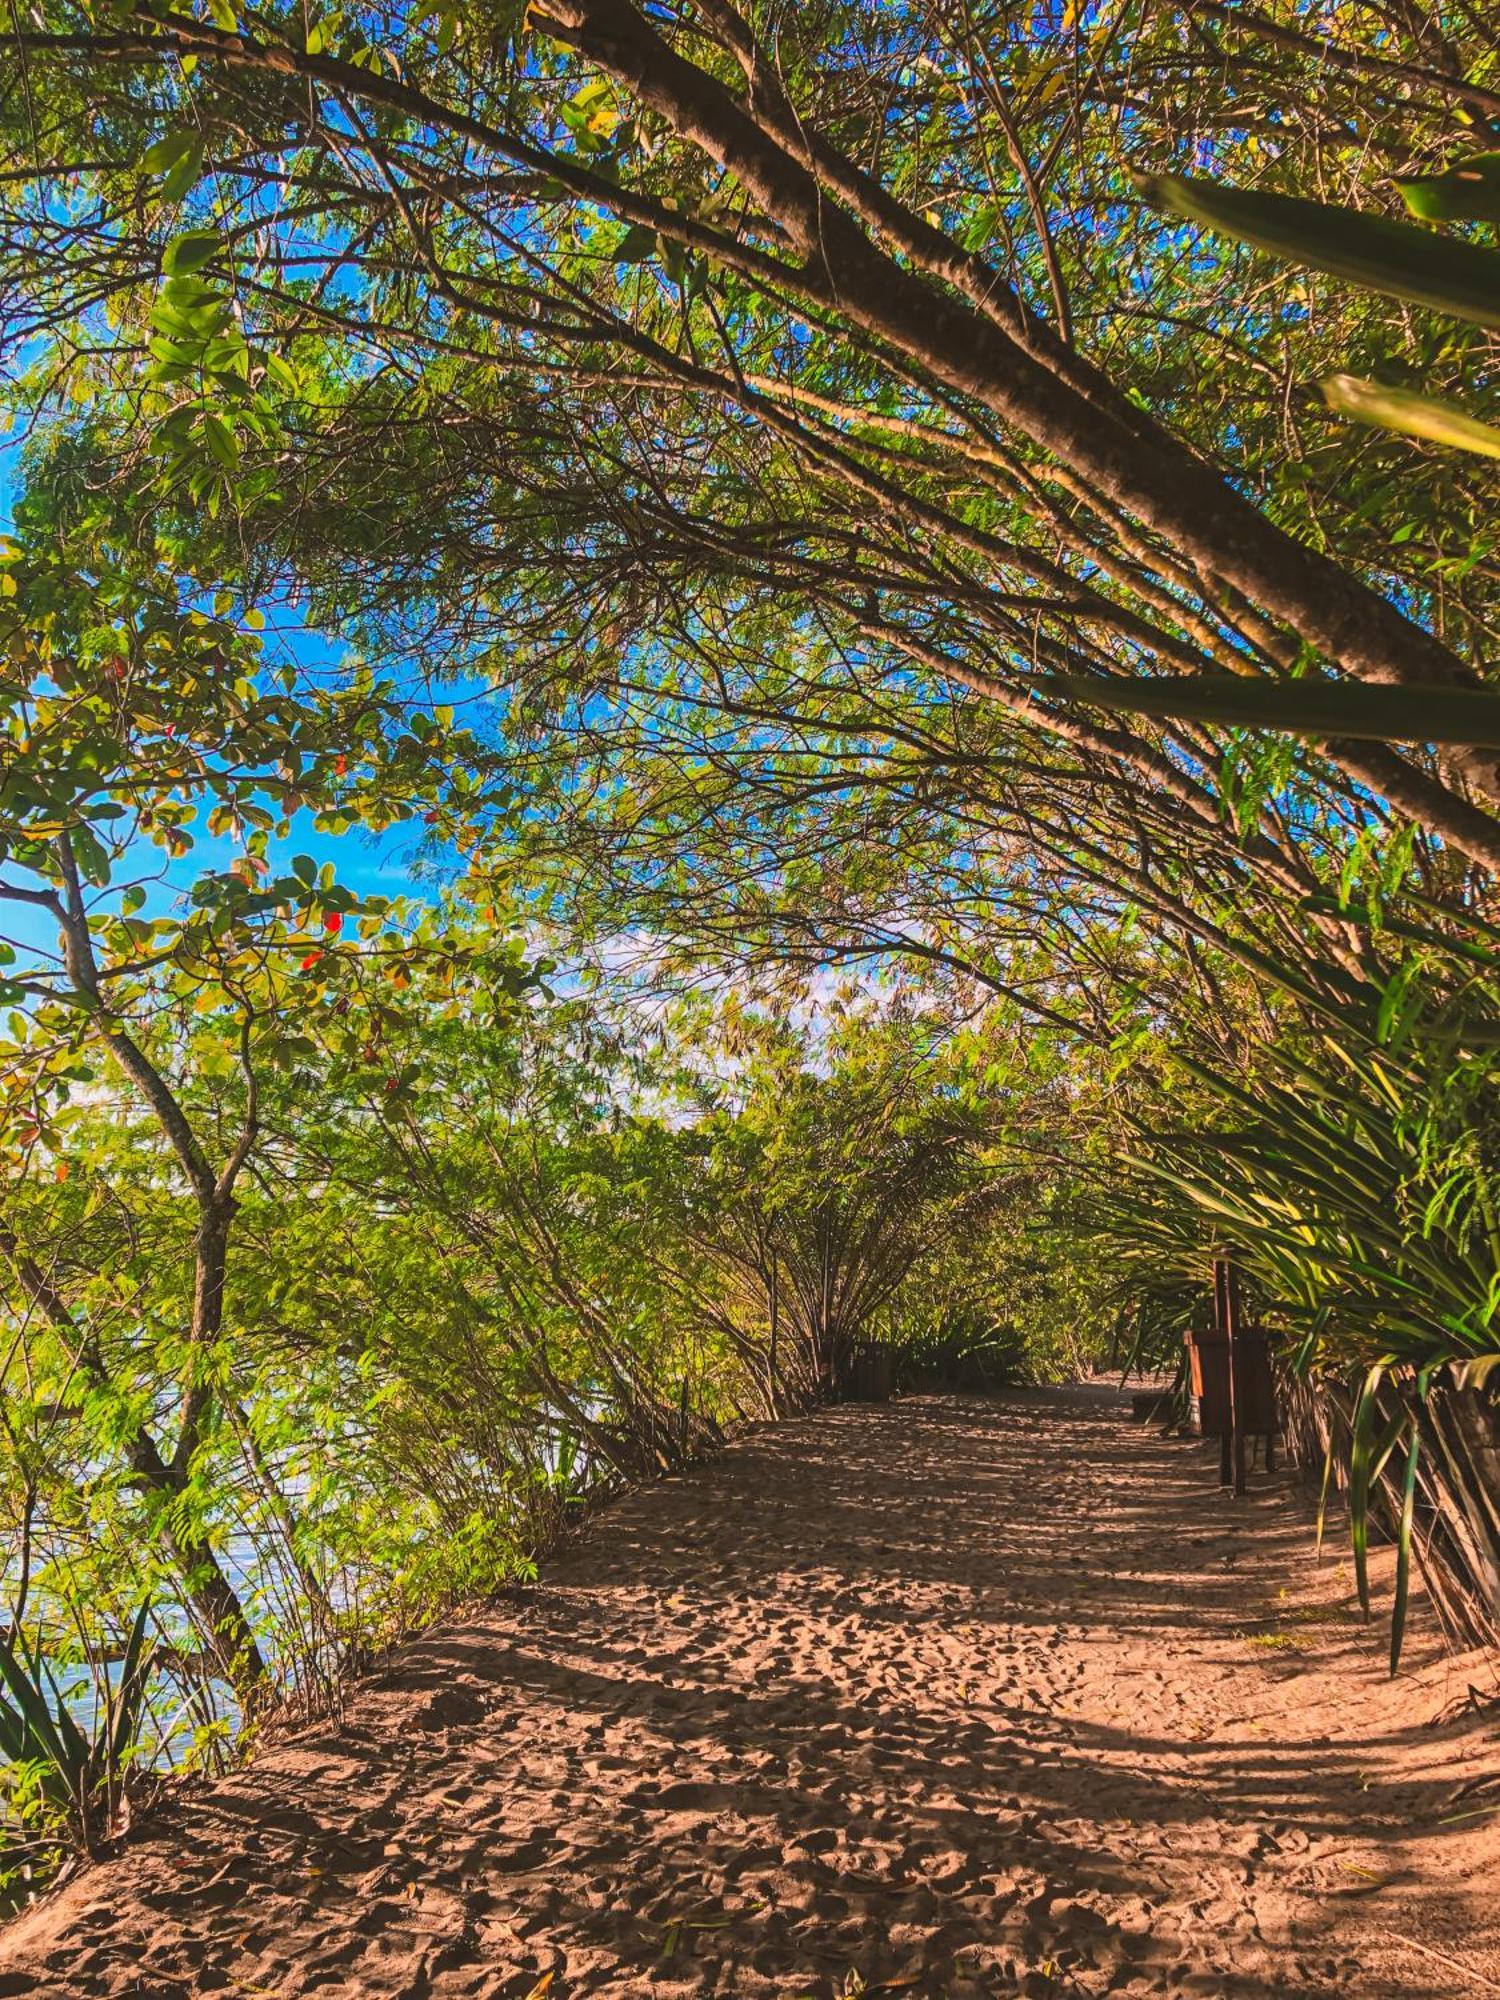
x: 1313, y: 707
x: 1426, y: 417
x: 1396, y: 258
x: 1366, y: 1463
x: 130, y: 1695
x: 1403, y: 1544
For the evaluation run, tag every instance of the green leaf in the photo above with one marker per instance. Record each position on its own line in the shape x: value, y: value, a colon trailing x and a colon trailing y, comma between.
x: 164, y: 153
x: 1323, y: 1492
x: 1466, y: 193
x: 1391, y: 257
x: 1414, y: 415
x: 190, y: 251
x: 91, y: 855
x: 1403, y: 1545
x: 1366, y: 1462
x: 637, y: 245
x: 179, y: 157
x: 29, y: 1697
x: 129, y: 1697
x: 221, y: 441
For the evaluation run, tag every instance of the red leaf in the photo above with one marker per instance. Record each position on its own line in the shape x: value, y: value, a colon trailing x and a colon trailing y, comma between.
x: 333, y: 923
x: 311, y: 960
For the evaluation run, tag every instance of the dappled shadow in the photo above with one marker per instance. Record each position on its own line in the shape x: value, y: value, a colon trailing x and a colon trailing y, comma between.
x: 978, y: 1698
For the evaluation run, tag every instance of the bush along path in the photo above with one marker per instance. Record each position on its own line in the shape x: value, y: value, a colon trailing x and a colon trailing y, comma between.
x: 949, y: 1697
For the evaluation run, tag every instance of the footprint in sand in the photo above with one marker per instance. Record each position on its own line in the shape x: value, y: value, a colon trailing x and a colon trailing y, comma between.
x: 739, y: 1745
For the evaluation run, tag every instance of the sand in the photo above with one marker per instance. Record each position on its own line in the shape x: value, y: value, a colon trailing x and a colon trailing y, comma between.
x: 945, y: 1698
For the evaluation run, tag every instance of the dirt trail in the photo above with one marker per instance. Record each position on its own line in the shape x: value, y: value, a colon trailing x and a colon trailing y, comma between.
x: 950, y: 1697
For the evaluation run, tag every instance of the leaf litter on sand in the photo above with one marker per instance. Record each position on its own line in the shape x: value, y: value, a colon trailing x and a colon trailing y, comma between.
x: 689, y: 1920
x: 856, y: 1986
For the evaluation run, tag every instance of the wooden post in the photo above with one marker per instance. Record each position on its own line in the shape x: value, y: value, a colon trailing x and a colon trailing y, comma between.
x: 1227, y: 1309
x: 1226, y: 1435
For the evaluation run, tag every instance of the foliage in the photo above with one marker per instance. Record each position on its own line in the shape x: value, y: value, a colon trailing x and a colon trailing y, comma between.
x: 1354, y: 1180
x: 763, y: 499
x: 1450, y: 274
x: 59, y: 1769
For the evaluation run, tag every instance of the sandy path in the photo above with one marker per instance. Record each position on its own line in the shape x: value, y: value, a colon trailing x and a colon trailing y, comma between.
x: 953, y: 1698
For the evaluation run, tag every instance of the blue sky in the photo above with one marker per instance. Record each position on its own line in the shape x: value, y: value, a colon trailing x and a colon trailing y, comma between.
x: 367, y: 865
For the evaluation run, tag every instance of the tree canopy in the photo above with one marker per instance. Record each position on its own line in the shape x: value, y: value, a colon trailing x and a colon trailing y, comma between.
x: 921, y: 581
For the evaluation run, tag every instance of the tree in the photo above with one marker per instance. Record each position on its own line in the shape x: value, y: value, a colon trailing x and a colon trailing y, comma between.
x: 745, y: 283
x: 133, y: 710
x: 819, y: 1170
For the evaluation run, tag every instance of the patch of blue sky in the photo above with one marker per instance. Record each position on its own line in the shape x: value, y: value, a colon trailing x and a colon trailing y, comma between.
x: 367, y: 864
